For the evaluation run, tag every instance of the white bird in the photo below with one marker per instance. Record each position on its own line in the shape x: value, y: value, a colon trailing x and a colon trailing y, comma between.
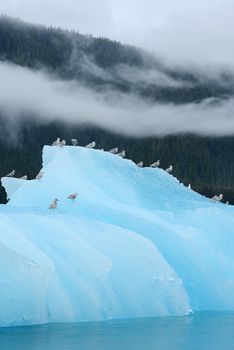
x: 169, y: 170
x: 54, y: 204
x: 189, y: 186
x: 11, y: 174
x: 227, y: 203
x: 91, y: 145
x: 57, y: 142
x: 217, y: 198
x: 155, y: 164
x: 220, y: 197
x: 114, y: 150
x: 73, y: 196
x: 121, y: 154
x: 62, y: 143
x: 140, y: 164
x: 24, y: 177
x: 39, y: 175
x: 74, y: 142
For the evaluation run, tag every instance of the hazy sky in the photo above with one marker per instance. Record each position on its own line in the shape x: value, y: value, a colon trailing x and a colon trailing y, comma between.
x: 199, y: 31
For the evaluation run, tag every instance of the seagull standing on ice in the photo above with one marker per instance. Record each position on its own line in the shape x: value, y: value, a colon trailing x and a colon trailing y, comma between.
x: 169, y: 170
x: 155, y: 164
x: 220, y: 197
x: 54, y: 204
x: 217, y: 198
x: 57, y: 142
x: 140, y: 164
x: 114, y: 150
x: 73, y: 196
x: 62, y: 143
x: 91, y: 145
x: 74, y: 142
x: 121, y: 154
x: 11, y: 174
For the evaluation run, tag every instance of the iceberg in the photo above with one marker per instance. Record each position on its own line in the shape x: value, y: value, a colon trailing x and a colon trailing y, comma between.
x: 135, y: 243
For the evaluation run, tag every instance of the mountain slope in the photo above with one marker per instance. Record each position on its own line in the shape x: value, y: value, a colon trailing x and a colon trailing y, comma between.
x: 100, y: 62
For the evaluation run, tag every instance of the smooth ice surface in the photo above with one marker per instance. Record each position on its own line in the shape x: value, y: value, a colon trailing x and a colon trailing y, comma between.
x: 135, y: 243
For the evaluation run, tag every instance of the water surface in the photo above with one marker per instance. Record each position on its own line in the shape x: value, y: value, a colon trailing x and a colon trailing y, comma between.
x: 202, y: 331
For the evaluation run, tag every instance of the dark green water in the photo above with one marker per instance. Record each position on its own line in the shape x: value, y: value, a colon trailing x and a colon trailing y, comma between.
x: 202, y: 331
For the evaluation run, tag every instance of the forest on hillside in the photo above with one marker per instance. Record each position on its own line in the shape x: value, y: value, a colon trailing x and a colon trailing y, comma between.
x: 207, y: 163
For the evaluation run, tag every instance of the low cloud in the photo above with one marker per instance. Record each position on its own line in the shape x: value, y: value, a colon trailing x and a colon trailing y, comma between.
x: 36, y: 94
x: 120, y: 73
